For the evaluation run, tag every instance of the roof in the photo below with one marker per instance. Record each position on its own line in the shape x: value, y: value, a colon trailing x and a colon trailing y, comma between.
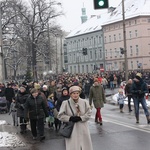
x: 133, y: 8
x: 91, y: 25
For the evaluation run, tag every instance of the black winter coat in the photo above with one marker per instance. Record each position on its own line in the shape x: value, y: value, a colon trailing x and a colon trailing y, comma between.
x: 138, y: 89
x: 9, y: 93
x: 36, y: 108
x: 20, y: 102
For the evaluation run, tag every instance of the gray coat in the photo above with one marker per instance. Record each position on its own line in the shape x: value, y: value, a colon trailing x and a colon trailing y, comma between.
x: 97, y: 95
x: 80, y: 137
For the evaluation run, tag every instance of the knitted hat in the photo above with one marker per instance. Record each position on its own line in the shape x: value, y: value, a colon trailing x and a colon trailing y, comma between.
x: 74, y: 89
x: 37, y: 86
x: 138, y: 76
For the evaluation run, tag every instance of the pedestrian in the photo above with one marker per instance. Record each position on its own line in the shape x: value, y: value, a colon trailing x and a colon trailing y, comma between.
x: 128, y: 93
x: 121, y: 98
x: 36, y: 108
x: 111, y: 81
x: 51, y: 106
x: 9, y: 94
x: 138, y: 90
x: 97, y: 96
x: 20, y: 102
x: 64, y: 96
x: 80, y: 138
x: 13, y: 111
x: 104, y: 82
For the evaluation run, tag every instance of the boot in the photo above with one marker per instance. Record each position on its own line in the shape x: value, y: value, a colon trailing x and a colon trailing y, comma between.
x: 137, y: 119
x: 148, y: 119
x: 21, y: 129
x: 121, y: 110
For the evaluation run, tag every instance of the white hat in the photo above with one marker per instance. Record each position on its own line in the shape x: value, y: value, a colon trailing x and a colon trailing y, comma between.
x: 45, y: 86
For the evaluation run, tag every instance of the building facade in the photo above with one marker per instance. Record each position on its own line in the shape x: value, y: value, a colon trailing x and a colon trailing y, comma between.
x: 103, y: 37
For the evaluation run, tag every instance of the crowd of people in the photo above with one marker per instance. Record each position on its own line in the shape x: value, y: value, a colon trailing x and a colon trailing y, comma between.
x: 45, y: 102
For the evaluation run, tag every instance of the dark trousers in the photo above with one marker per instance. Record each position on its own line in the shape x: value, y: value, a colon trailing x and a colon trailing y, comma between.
x: 121, y: 106
x: 23, y: 124
x: 129, y: 102
x: 37, y: 124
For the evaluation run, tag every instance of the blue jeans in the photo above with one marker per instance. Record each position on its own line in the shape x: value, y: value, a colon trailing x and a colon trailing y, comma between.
x: 137, y: 101
x: 111, y: 85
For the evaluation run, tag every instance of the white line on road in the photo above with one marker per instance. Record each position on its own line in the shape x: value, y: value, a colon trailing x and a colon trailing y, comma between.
x: 139, y: 127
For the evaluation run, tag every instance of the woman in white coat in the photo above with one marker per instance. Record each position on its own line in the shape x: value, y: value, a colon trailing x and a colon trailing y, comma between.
x: 80, y: 138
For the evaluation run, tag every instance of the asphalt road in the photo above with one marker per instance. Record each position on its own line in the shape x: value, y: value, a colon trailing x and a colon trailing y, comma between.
x: 119, y: 132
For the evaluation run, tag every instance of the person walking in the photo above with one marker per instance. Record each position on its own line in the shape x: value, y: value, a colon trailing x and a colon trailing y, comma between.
x: 20, y: 102
x: 121, y: 99
x: 9, y: 94
x: 36, y: 108
x: 13, y: 111
x: 80, y: 138
x: 128, y: 93
x: 138, y: 90
x: 97, y: 96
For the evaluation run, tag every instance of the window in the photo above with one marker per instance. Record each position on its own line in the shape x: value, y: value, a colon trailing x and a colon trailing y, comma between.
x: 114, y: 37
x: 105, y: 39
x: 100, y: 40
x: 129, y: 23
x: 100, y: 54
x: 137, y: 49
x: 119, y: 36
x: 137, y: 63
x: 74, y: 57
x: 130, y: 34
x: 110, y: 53
x: 116, y: 52
x: 105, y: 52
x: 91, y: 55
x: 136, y: 34
x: 131, y: 51
x: 109, y: 38
x: 132, y: 65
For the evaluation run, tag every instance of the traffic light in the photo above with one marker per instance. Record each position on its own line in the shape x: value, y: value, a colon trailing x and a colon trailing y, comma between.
x: 122, y: 51
x: 84, y: 51
x: 101, y: 4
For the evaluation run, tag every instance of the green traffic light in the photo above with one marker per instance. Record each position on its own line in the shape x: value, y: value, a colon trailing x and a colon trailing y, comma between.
x: 101, y: 3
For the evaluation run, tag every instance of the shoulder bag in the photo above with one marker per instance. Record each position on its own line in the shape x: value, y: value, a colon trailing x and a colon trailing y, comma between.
x: 67, y: 127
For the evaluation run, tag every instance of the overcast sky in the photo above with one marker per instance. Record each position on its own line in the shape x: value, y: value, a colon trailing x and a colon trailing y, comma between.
x: 72, y: 10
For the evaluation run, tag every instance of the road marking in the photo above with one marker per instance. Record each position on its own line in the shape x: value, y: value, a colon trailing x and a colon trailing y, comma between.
x: 139, y: 127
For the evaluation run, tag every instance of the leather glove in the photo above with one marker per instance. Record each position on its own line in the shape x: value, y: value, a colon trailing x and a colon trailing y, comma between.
x: 140, y: 92
x: 75, y: 118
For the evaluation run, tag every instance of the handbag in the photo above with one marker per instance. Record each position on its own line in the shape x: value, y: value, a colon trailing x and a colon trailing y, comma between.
x: 67, y: 127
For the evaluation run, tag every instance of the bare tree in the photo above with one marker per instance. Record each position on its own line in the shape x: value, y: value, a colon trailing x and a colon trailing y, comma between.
x: 29, y: 23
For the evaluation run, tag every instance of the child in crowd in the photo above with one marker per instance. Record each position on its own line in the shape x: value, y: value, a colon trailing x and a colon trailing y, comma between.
x: 13, y: 111
x: 121, y: 98
x: 51, y: 107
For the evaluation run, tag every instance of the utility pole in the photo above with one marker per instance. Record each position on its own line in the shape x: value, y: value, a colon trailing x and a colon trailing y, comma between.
x: 1, y: 52
x: 61, y: 54
x: 125, y: 44
x: 49, y: 46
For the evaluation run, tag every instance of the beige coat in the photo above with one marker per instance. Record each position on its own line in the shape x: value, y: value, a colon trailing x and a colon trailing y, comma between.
x: 80, y: 138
